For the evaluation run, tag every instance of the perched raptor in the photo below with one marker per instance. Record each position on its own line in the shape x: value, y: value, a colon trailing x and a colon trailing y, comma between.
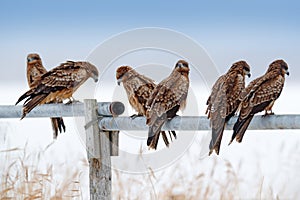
x: 139, y: 88
x: 58, y: 84
x: 260, y: 95
x: 166, y: 99
x: 224, y: 100
x: 35, y: 70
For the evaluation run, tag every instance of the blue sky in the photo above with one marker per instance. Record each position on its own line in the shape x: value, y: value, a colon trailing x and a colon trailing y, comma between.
x: 257, y: 31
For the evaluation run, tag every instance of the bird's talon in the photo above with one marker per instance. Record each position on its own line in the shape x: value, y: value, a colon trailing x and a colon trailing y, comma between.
x: 69, y: 102
x: 72, y: 102
x: 135, y: 116
x: 266, y: 114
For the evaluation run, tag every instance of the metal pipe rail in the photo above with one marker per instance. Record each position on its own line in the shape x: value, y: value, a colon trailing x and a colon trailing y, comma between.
x: 191, y: 123
x: 110, y: 123
x: 62, y: 110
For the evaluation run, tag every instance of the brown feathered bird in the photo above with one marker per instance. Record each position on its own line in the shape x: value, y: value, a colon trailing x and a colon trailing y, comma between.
x: 138, y: 89
x: 260, y: 95
x: 35, y: 70
x: 58, y: 84
x: 224, y: 100
x: 166, y: 99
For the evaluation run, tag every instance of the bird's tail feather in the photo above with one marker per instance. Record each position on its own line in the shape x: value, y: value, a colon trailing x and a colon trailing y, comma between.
x: 154, y: 141
x: 240, y: 135
x: 24, y: 96
x: 154, y: 130
x: 173, y: 133
x: 164, y: 136
x: 57, y: 125
x: 240, y: 128
x: 215, y: 143
x: 31, y: 103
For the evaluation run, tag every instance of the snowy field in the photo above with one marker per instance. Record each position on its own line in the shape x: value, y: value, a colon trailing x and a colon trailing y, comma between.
x: 263, y: 166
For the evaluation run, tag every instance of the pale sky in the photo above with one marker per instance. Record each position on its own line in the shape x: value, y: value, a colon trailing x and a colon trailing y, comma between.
x: 256, y: 31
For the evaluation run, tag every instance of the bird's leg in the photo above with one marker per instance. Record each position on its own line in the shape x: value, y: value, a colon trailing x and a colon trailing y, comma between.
x: 72, y: 100
x: 269, y: 108
x: 136, y: 115
x: 271, y: 113
x: 268, y: 113
x: 69, y: 102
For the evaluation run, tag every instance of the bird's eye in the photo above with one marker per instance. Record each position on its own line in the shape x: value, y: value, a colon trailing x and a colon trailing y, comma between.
x: 182, y: 65
x: 284, y: 67
x: 246, y: 69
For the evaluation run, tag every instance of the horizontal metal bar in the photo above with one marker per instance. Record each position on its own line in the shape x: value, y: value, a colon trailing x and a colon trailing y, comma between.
x: 75, y: 109
x: 191, y: 123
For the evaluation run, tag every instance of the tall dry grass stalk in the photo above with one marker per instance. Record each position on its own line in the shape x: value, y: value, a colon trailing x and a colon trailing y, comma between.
x: 197, y: 184
x: 23, y: 176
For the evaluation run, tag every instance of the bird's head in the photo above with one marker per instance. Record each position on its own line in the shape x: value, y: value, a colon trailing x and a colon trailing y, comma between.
x: 121, y: 71
x: 91, y: 70
x: 243, y: 67
x: 182, y: 66
x: 33, y: 58
x: 279, y: 65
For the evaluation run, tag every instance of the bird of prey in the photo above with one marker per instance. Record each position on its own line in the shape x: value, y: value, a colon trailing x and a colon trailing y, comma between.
x: 58, y: 84
x: 35, y: 70
x: 139, y: 88
x: 260, y: 95
x: 166, y: 99
x: 224, y: 100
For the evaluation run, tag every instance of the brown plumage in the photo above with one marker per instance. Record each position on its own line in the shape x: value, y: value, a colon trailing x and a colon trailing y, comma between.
x: 166, y: 99
x: 35, y: 70
x: 138, y: 88
x: 224, y: 100
x: 260, y: 95
x: 58, y: 84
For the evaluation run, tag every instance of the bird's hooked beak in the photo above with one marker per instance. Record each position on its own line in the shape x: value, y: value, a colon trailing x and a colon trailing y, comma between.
x: 287, y: 72
x: 247, y: 73
x: 95, y: 77
x: 119, y: 80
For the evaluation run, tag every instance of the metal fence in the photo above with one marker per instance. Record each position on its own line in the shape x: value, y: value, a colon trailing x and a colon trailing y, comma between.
x: 103, y: 125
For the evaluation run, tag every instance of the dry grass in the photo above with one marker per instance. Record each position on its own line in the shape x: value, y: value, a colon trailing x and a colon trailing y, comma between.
x: 203, y: 184
x: 26, y: 176
x: 23, y: 177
